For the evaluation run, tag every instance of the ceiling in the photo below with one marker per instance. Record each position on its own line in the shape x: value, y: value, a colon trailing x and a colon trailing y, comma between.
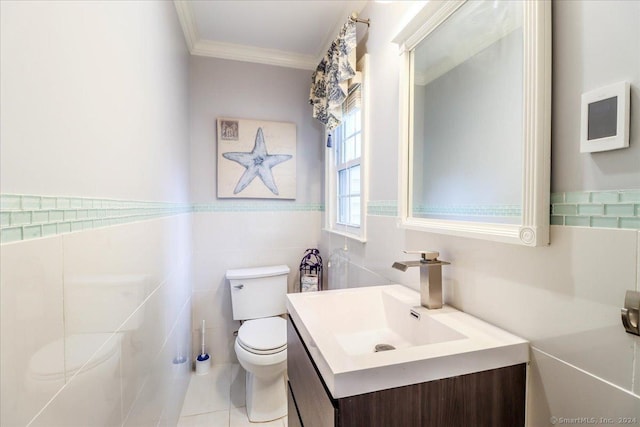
x: 290, y: 33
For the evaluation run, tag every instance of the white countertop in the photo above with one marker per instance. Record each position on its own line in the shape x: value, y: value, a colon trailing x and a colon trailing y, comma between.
x: 341, y: 327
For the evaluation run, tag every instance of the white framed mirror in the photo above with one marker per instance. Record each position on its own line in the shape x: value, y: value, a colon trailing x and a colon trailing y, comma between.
x: 475, y: 102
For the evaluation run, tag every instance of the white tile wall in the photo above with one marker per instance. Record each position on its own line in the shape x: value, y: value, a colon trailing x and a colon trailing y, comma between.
x: 90, y: 397
x: 559, y: 392
x: 123, y: 291
x: 160, y: 397
x: 31, y: 298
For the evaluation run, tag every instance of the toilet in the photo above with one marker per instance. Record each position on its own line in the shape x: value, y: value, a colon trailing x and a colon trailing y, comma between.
x: 258, y: 299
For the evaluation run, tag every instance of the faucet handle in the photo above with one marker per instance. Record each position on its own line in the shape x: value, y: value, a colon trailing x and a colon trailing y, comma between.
x: 425, y: 255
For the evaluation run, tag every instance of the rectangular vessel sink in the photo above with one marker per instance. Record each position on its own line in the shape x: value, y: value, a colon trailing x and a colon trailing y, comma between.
x: 374, y: 338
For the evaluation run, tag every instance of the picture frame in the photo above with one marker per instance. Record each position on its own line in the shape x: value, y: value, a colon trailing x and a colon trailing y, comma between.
x: 256, y: 159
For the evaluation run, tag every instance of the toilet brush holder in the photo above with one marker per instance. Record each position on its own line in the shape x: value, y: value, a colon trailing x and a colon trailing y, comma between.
x: 203, y: 363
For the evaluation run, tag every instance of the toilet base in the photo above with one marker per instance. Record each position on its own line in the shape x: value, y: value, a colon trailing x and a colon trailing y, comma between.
x: 266, y: 398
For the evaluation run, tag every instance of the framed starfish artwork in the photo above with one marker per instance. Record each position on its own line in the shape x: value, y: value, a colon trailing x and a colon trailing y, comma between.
x: 256, y: 159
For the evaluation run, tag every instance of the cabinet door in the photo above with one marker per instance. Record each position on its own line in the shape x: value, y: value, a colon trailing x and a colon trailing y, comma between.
x: 293, y: 418
x: 494, y: 398
x: 314, y: 405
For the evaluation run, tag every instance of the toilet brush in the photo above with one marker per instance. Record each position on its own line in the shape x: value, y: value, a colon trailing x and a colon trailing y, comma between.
x: 203, y: 360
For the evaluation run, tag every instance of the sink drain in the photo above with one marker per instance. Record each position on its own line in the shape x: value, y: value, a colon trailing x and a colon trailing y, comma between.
x: 384, y: 347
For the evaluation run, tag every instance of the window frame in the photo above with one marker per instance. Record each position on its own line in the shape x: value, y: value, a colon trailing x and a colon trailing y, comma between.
x: 331, y: 169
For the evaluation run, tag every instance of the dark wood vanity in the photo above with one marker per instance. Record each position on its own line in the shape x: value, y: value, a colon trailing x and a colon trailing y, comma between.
x: 494, y: 398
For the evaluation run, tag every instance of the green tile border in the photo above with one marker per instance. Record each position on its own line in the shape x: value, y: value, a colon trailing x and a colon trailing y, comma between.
x: 26, y: 216
x: 597, y: 209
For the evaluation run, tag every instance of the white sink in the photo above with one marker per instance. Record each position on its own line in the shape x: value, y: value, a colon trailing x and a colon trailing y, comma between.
x: 341, y: 329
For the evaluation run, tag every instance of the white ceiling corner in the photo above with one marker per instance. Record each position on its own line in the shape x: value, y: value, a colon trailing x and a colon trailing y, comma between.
x: 282, y: 33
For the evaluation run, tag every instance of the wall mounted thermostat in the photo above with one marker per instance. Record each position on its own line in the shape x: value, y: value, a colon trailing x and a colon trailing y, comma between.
x: 605, y: 118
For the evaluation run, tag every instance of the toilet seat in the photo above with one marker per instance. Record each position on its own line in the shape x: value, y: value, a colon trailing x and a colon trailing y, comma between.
x: 263, y: 336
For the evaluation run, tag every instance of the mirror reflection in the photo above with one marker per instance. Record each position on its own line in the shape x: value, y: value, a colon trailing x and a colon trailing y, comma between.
x: 467, y: 116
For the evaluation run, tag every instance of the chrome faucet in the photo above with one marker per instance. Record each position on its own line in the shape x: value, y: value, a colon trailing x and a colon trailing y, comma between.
x: 430, y: 276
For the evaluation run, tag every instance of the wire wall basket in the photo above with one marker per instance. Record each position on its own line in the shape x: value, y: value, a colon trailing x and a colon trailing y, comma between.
x: 311, y: 271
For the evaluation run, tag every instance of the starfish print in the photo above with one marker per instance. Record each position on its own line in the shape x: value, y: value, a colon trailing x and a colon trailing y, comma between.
x: 258, y: 163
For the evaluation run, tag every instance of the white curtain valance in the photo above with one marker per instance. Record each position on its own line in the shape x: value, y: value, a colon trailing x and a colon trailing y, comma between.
x: 329, y: 81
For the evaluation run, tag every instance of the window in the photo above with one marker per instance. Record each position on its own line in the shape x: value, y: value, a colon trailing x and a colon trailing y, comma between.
x: 345, y: 165
x: 348, y: 145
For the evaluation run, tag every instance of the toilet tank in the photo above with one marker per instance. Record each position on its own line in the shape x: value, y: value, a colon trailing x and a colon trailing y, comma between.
x: 258, y: 292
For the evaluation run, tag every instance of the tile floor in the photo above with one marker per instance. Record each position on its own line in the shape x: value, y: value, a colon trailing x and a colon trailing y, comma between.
x: 218, y: 400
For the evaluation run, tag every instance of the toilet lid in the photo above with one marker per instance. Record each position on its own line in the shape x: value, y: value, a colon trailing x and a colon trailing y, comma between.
x: 47, y: 363
x: 263, y: 336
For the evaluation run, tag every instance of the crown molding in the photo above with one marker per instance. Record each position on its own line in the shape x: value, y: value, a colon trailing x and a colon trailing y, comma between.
x: 187, y: 22
x: 238, y: 52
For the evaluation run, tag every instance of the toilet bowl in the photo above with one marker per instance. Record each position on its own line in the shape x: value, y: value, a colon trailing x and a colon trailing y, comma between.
x: 258, y: 297
x: 261, y: 348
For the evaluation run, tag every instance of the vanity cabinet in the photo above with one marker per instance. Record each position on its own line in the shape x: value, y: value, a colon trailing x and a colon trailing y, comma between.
x: 493, y: 398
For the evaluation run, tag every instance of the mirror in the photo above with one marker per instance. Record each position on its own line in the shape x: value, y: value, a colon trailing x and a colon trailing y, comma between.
x: 475, y: 120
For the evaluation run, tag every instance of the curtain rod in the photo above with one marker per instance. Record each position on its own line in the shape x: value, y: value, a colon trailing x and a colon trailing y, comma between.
x: 355, y: 18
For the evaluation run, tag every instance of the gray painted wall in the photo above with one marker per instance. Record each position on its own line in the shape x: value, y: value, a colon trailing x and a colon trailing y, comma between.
x: 95, y: 106
x: 223, y: 88
x: 595, y: 43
